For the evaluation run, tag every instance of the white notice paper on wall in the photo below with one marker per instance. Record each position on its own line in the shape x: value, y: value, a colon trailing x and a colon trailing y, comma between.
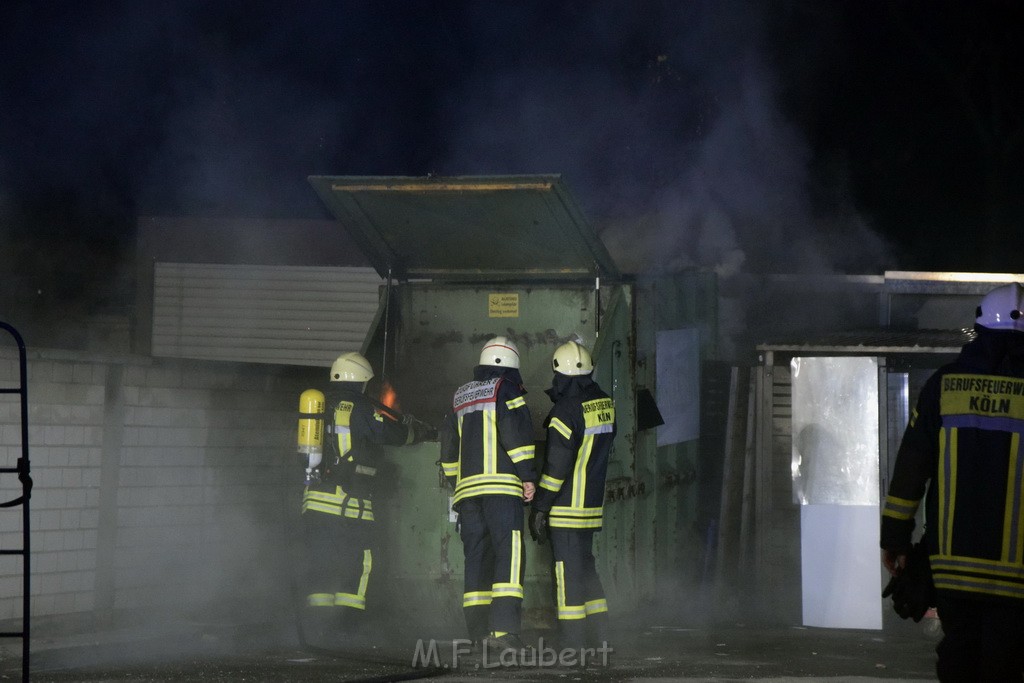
x: 678, y: 377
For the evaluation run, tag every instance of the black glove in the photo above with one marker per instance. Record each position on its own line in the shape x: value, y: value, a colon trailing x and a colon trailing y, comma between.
x: 912, y: 590
x: 423, y: 432
x: 538, y: 525
x: 419, y: 431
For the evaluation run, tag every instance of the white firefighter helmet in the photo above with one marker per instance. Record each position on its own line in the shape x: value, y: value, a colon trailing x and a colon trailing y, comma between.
x: 500, y: 352
x: 1001, y: 309
x: 572, y: 359
x: 351, y: 367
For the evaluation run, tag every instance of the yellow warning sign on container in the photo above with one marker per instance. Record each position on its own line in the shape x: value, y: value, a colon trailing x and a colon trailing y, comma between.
x: 503, y: 305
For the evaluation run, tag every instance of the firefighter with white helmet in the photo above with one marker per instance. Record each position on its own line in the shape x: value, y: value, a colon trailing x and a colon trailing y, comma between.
x: 962, y: 454
x: 568, y: 507
x: 487, y: 454
x: 337, y: 503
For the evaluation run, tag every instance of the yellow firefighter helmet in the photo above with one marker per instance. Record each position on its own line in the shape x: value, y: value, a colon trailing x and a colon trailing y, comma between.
x: 351, y: 367
x: 572, y: 359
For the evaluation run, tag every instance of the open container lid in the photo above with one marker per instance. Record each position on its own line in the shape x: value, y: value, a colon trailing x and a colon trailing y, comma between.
x: 483, y: 228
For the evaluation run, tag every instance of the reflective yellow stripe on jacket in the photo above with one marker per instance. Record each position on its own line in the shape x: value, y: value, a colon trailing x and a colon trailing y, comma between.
x: 338, y: 503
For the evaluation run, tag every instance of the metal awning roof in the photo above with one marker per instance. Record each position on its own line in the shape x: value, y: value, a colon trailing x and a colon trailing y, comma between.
x: 875, y: 343
x: 467, y: 227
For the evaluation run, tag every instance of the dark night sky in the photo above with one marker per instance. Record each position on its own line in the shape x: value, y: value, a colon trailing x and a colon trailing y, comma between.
x: 785, y: 136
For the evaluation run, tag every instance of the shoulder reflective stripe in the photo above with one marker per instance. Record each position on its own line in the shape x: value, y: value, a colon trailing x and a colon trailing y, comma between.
x: 560, y: 427
x: 913, y: 417
x: 517, y: 402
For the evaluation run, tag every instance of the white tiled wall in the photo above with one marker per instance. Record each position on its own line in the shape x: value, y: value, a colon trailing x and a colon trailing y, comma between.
x: 196, y: 487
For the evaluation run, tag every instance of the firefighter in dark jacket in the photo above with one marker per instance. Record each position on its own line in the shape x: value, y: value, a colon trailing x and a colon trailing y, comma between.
x: 487, y: 454
x: 964, y: 442
x: 337, y: 504
x: 570, y: 495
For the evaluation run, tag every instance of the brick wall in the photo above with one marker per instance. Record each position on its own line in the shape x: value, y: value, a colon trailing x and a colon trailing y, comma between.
x: 161, y: 487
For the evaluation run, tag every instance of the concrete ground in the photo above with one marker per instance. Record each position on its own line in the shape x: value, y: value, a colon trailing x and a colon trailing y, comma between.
x: 254, y: 653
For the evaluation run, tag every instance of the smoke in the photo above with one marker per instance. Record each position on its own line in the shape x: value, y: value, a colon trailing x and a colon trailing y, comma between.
x: 674, y: 136
x: 666, y: 119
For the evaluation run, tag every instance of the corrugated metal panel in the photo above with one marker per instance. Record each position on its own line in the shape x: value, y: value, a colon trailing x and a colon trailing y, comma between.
x: 875, y: 342
x: 285, y: 315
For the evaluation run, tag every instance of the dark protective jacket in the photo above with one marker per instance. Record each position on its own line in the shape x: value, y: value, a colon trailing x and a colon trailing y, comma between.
x: 487, y: 440
x: 580, y: 431
x: 964, y: 437
x: 351, y: 450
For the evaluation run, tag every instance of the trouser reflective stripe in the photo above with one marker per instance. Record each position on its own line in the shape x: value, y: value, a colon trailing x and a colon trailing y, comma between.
x: 320, y: 599
x: 476, y: 598
x: 339, y: 560
x: 565, y: 610
x: 357, y: 600
x: 491, y: 530
x: 582, y: 608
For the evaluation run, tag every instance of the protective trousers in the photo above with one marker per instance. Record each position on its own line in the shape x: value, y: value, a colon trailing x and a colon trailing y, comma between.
x: 983, y: 641
x: 339, y: 561
x: 491, y: 528
x: 579, y: 596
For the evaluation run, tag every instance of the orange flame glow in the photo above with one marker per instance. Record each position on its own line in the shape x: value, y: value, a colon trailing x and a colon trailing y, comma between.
x: 389, y: 397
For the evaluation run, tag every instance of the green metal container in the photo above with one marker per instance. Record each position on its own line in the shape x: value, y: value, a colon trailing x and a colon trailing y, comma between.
x: 470, y: 258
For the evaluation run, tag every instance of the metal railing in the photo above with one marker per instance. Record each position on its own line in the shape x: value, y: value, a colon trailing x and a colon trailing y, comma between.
x: 22, y: 470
